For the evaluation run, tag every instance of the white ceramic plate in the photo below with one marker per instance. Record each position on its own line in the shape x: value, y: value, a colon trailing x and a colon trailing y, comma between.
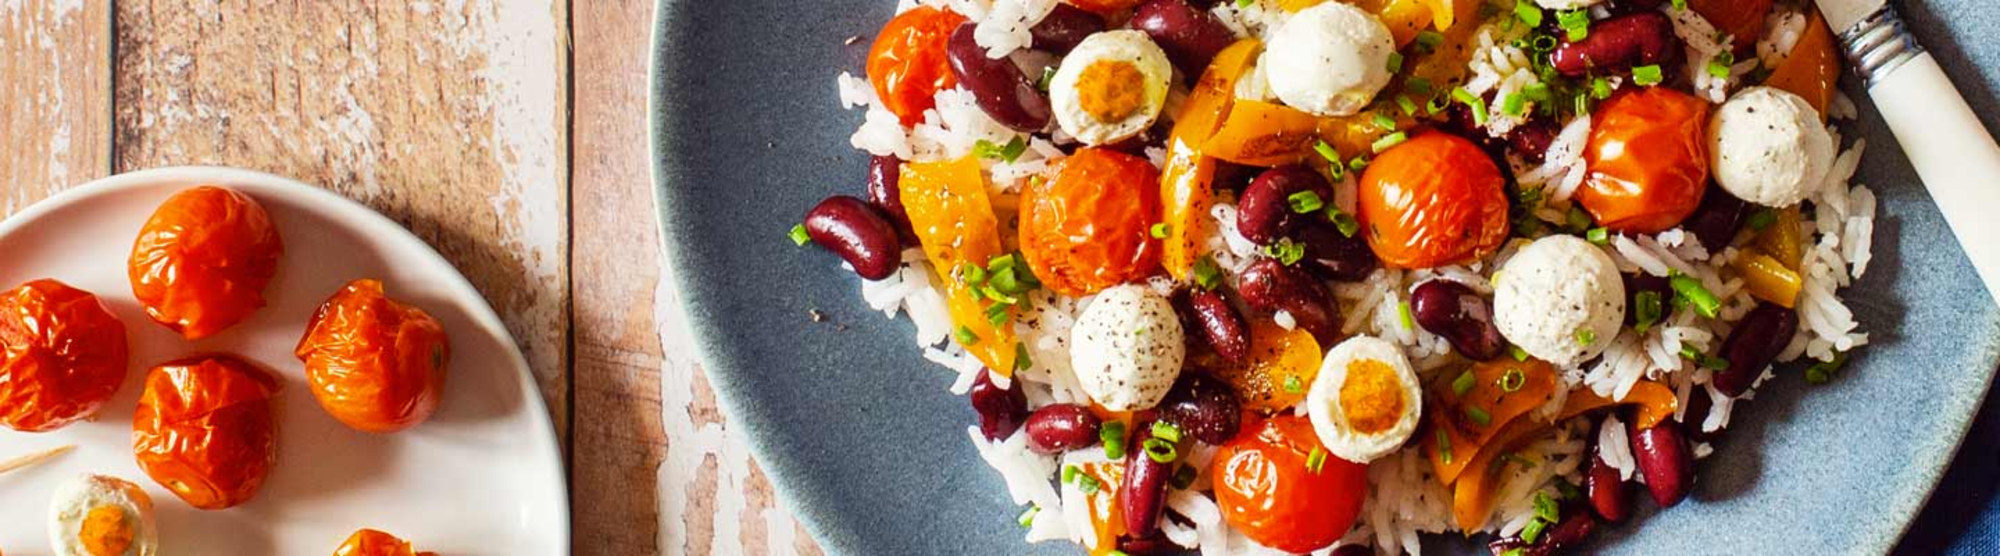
x: 483, y: 476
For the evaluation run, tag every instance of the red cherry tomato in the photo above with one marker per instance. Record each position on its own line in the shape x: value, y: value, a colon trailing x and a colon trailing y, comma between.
x: 907, y: 63
x: 202, y: 261
x: 375, y: 364
x: 205, y: 430
x: 1648, y: 161
x: 370, y: 542
x: 65, y: 356
x: 1090, y: 227
x: 1268, y: 492
x: 1434, y: 200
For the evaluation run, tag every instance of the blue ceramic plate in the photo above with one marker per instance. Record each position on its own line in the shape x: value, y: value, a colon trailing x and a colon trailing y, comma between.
x: 869, y: 449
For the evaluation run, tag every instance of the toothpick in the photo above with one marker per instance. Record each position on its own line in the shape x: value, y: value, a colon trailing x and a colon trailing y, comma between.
x: 34, y: 458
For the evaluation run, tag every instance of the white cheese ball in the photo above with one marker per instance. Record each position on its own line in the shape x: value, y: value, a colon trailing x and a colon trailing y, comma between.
x: 1560, y: 299
x: 1111, y: 87
x: 1329, y: 59
x: 1768, y: 147
x: 1388, y: 398
x: 114, y: 504
x: 1127, y: 348
x: 1567, y: 4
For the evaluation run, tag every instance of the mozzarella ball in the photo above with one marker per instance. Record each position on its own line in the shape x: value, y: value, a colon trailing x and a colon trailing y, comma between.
x: 1127, y: 348
x: 95, y: 515
x: 1329, y: 59
x: 1366, y: 401
x: 1111, y: 87
x: 1770, y: 147
x: 1560, y: 299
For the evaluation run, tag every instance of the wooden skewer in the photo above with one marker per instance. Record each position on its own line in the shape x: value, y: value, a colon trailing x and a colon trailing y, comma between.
x: 34, y: 458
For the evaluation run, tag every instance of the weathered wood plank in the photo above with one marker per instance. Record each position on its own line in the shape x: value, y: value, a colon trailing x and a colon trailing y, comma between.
x: 634, y: 354
x: 55, y: 97
x: 448, y: 117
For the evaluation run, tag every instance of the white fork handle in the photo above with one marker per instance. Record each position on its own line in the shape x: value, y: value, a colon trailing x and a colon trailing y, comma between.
x: 1952, y: 152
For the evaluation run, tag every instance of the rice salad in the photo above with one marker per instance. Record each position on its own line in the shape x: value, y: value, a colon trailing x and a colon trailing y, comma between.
x: 1324, y: 276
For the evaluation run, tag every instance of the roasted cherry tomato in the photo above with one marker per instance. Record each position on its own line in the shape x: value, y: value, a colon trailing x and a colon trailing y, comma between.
x: 1648, y: 161
x: 908, y: 65
x: 1268, y: 490
x: 1105, y: 7
x: 1089, y: 227
x: 65, y: 356
x: 203, y: 259
x: 205, y: 429
x: 370, y: 542
x: 374, y: 363
x: 1434, y: 200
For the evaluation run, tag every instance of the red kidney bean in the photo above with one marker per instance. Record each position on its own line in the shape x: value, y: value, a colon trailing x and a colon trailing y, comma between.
x: 1572, y: 530
x: 1144, y: 490
x: 1264, y: 211
x: 1064, y: 28
x: 1513, y: 546
x: 1752, y: 345
x: 1191, y: 36
x: 885, y: 178
x: 1617, y: 44
x: 1336, y: 256
x: 1002, y: 90
x: 1156, y: 545
x: 1610, y: 495
x: 1699, y: 404
x: 1268, y: 285
x: 1354, y: 550
x: 1531, y: 141
x: 1218, y: 324
x: 1203, y: 408
x: 1716, y: 220
x: 1642, y: 282
x: 1058, y: 428
x: 1001, y: 410
x: 1460, y: 315
x: 1663, y: 456
x: 852, y: 229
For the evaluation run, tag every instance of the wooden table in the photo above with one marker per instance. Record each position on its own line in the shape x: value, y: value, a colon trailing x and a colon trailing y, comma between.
x: 510, y: 134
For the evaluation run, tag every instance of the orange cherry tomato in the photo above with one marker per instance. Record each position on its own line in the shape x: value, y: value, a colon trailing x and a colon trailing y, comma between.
x: 1266, y: 490
x: 1432, y: 201
x: 202, y: 261
x: 1090, y: 226
x: 370, y: 542
x: 374, y: 363
x: 1105, y: 7
x: 907, y: 63
x: 205, y: 429
x: 65, y: 356
x: 1647, y: 159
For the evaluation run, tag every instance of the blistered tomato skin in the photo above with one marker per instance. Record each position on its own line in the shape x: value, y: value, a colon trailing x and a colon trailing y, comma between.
x: 1267, y: 491
x: 202, y: 260
x: 205, y: 429
x: 1089, y: 227
x: 908, y: 65
x: 375, y: 364
x: 370, y: 542
x: 1434, y: 200
x: 1647, y: 161
x: 65, y: 355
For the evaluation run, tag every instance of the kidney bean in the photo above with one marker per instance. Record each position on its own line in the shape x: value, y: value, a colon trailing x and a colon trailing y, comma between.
x: 1064, y: 28
x: 1264, y: 211
x: 1191, y: 36
x: 1001, y: 410
x: 1203, y: 408
x: 1610, y: 495
x: 1642, y: 282
x: 1750, y: 348
x: 1336, y: 256
x: 1155, y: 545
x: 1460, y: 315
x: 1572, y: 530
x: 1002, y: 90
x: 1716, y: 220
x: 1057, y: 428
x: 1531, y: 141
x: 1699, y: 404
x: 852, y: 229
x: 1144, y: 490
x: 1218, y: 323
x: 1618, y: 43
x: 885, y: 178
x: 1663, y: 456
x: 1354, y: 550
x: 1268, y: 285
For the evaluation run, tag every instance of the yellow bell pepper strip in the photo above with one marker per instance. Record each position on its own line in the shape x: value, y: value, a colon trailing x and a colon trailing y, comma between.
x: 1812, y: 70
x: 1187, y: 188
x: 1767, y: 278
x: 1781, y: 240
x: 1106, y: 514
x: 954, y: 220
x: 1259, y: 133
x: 1500, y: 391
x: 1281, y: 366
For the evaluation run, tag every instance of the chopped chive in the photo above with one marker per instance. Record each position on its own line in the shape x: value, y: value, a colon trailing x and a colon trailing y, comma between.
x: 1520, y: 355
x: 1027, y: 518
x: 1316, y: 460
x: 1048, y: 75
x: 1823, y: 371
x: 1646, y: 310
x: 1512, y: 381
x: 1112, y: 436
x: 1533, y: 531
x: 1395, y: 62
x: 1429, y: 40
x: 798, y: 235
x: 1184, y: 477
x: 1436, y: 104
x: 1069, y: 473
x: 996, y: 314
x: 1516, y: 551
x: 1014, y: 149
x: 1346, y: 223
x: 1327, y: 151
x: 1206, y: 274
x: 1464, y: 383
x: 1418, y: 85
x: 1516, y: 459
x: 1546, y: 509
x: 1166, y: 431
x: 1761, y: 219
x: 1159, y: 230
x: 1444, y: 446
x: 1286, y: 251
x: 1293, y: 385
x: 1648, y: 75
x: 1680, y: 4
x: 1087, y: 484
x: 1473, y: 102
x: 1478, y: 416
x: 1537, y: 92
x: 1409, y: 106
x: 972, y: 275
x: 1690, y: 289
x: 1514, y: 104
x: 1000, y: 263
x: 1576, y: 220
x: 1528, y: 13
x: 1305, y: 202
x: 1409, y: 322
x: 1116, y: 552
x: 1245, y: 3
x: 965, y: 336
x: 1335, y: 171
x: 1585, y: 337
x: 1022, y: 361
x: 1007, y: 281
x: 1720, y: 65
x: 1565, y: 490
x: 1600, y: 88
x: 1575, y: 22
x: 1384, y: 122
x: 1599, y: 235
x: 1160, y: 450
x: 1389, y: 141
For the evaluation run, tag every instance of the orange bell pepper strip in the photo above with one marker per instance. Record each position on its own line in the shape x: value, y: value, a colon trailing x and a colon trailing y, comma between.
x: 1187, y: 188
x: 1106, y: 514
x: 1741, y: 19
x: 1269, y: 134
x: 1534, y: 384
x: 1472, y: 495
x: 1656, y: 403
x: 954, y: 220
x: 1812, y: 70
x: 1278, y: 358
